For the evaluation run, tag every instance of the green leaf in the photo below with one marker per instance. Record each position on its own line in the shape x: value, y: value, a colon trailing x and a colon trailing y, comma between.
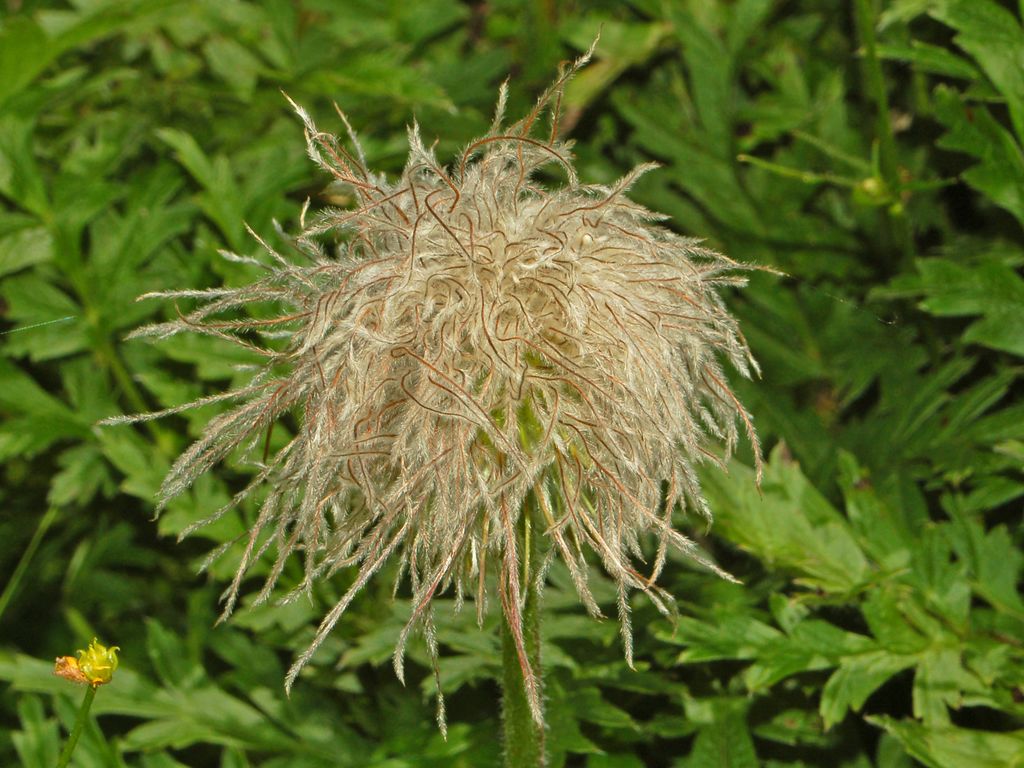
x: 727, y: 637
x: 857, y: 678
x: 787, y: 523
x: 941, y: 683
x: 37, y: 743
x: 884, y: 613
x: 793, y: 727
x: 83, y: 474
x: 993, y: 560
x: 221, y: 199
x: 988, y: 288
x: 993, y: 36
x: 974, y: 131
x: 708, y: 177
x: 723, y: 740
x: 811, y: 645
x: 617, y: 760
x: 25, y: 51
x: 33, y: 300
x: 234, y: 64
x: 941, y: 582
x: 21, y: 180
x: 709, y: 68
x: 932, y: 59
x: 35, y: 419
x: 171, y: 658
x: 884, y: 533
x: 592, y: 707
x: 564, y: 734
x: 417, y: 22
x: 956, y: 747
x: 22, y: 243
x: 622, y: 46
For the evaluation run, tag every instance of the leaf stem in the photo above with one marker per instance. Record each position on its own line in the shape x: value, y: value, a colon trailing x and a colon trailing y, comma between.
x: 523, y: 737
x: 76, y: 732
x: 897, y: 224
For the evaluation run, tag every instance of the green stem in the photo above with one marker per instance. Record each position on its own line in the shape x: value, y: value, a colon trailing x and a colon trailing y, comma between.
x: 523, y: 736
x: 26, y: 557
x: 111, y: 360
x: 76, y: 732
x: 899, y: 228
x: 807, y: 177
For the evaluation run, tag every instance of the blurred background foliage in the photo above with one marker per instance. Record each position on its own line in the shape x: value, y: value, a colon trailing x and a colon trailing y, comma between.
x: 869, y: 152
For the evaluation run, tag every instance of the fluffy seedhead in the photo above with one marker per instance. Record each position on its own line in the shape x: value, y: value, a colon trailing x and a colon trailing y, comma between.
x: 476, y: 340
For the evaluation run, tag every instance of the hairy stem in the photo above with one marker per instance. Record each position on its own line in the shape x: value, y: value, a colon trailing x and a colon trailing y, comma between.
x: 523, y: 736
x: 76, y: 732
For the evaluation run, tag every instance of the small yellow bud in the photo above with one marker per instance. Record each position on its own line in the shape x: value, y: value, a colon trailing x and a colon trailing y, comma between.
x: 94, y: 666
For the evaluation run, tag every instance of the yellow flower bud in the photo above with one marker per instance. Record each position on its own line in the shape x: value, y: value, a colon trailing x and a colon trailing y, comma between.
x: 94, y: 666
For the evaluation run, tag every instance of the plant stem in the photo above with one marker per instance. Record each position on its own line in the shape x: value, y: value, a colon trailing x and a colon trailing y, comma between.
x: 523, y: 736
x: 76, y: 732
x: 26, y: 557
x: 109, y: 358
x: 898, y: 225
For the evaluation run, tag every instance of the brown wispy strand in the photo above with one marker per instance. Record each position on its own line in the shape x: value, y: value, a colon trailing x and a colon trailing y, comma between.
x: 476, y: 338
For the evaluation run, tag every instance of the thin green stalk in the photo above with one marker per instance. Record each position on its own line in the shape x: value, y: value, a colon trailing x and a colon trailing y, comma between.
x: 26, y: 557
x: 76, y: 732
x: 899, y: 227
x: 807, y: 177
x: 523, y: 737
x: 109, y: 358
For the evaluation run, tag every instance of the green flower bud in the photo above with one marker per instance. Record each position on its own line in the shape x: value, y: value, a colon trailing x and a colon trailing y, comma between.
x: 98, y: 662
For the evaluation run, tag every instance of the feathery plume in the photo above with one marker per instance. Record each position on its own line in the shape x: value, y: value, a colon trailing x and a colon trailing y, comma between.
x: 476, y: 339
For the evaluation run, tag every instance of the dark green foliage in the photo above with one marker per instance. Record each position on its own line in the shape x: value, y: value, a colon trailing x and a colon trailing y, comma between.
x: 880, y: 622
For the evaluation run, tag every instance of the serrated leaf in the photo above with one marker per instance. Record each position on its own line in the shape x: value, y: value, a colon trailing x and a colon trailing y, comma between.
x: 708, y: 177
x: 727, y: 637
x: 21, y: 181
x: 22, y: 244
x: 25, y: 51
x: 956, y: 747
x: 564, y: 734
x: 221, y: 200
x: 724, y: 742
x: 234, y: 64
x: 623, y: 45
x: 857, y: 678
x: 35, y: 419
x: 941, y: 683
x: 993, y: 560
x: 974, y: 131
x: 811, y: 645
x: 932, y: 59
x: 592, y: 707
x: 793, y: 727
x: 989, y: 288
x: 993, y: 36
x: 170, y: 657
x: 83, y: 474
x: 37, y: 741
x: 787, y: 523
x: 887, y: 622
x: 884, y: 533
